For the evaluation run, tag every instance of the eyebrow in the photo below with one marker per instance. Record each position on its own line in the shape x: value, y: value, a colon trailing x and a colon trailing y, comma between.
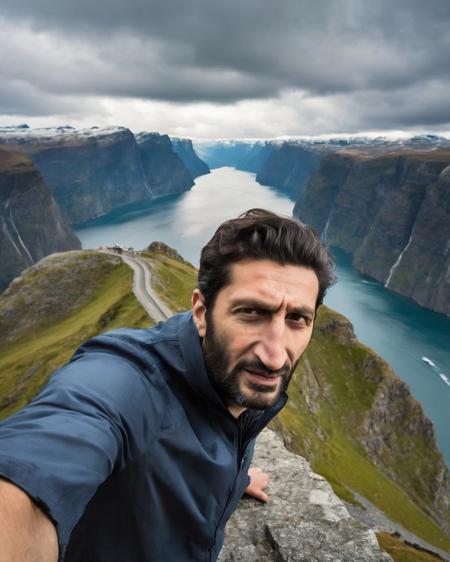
x: 255, y: 303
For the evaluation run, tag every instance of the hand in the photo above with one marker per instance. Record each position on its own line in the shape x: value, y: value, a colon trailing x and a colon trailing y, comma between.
x: 258, y: 481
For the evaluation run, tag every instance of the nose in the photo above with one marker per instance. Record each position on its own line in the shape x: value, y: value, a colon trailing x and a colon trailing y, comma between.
x: 271, y: 345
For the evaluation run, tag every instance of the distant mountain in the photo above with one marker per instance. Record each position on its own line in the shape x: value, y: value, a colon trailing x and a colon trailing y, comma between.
x: 242, y: 155
x: 165, y: 172
x: 185, y: 150
x: 94, y: 171
x: 392, y: 213
x: 31, y: 222
x: 289, y: 167
x: 385, y: 200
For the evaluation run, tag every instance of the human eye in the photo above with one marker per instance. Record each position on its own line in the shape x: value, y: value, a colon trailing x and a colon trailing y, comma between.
x: 298, y: 320
x: 250, y: 313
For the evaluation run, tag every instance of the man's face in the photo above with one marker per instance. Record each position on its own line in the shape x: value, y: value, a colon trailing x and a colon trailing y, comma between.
x: 258, y: 328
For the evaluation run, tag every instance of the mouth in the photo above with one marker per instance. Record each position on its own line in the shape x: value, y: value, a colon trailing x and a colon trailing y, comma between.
x: 261, y: 378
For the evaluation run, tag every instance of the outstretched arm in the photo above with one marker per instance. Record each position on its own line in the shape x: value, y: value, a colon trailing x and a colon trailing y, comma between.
x: 258, y: 481
x: 26, y: 533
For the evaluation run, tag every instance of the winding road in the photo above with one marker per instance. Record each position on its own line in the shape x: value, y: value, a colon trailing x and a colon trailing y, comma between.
x: 142, y: 287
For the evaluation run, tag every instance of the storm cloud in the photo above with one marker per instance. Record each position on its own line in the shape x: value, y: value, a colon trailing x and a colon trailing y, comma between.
x: 305, y: 67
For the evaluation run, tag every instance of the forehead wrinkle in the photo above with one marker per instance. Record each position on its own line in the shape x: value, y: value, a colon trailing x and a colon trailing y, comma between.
x: 273, y: 284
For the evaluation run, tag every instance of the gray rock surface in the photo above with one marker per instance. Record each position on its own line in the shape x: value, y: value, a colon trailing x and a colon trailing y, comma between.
x: 304, y: 520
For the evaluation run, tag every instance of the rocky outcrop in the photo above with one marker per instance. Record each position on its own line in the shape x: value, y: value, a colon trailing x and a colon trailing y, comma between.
x: 31, y: 223
x: 304, y: 520
x: 164, y: 170
x: 289, y: 167
x: 392, y: 213
x: 185, y: 150
x: 393, y: 408
x: 91, y: 172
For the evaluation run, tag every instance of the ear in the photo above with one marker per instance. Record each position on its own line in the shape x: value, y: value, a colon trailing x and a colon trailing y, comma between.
x: 199, y: 312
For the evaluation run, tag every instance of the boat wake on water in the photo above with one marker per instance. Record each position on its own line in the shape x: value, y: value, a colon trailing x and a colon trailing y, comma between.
x: 429, y: 362
x: 444, y: 378
x: 436, y: 369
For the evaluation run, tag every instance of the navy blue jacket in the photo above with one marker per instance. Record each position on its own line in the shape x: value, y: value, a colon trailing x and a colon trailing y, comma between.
x: 130, y: 450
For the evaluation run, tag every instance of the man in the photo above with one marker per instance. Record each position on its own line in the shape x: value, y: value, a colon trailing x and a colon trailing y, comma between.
x: 138, y: 450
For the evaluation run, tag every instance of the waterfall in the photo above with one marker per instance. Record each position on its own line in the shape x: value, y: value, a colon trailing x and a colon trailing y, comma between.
x: 324, y: 236
x: 13, y: 224
x: 398, y: 260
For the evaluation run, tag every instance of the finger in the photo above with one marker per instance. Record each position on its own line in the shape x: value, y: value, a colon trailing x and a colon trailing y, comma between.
x: 262, y: 496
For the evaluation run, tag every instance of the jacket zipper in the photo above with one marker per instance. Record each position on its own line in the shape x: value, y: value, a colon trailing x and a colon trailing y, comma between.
x: 240, y: 463
x: 262, y: 422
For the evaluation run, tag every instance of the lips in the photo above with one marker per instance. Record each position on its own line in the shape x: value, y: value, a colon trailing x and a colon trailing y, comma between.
x: 262, y: 378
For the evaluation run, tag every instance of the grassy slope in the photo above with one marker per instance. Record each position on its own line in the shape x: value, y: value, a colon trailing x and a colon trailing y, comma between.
x: 41, y: 346
x: 402, y: 552
x: 174, y: 279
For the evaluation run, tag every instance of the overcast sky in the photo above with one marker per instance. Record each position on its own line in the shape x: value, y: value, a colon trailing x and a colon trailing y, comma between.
x: 234, y: 68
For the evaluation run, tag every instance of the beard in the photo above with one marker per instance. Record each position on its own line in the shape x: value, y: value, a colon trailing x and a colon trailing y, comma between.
x: 231, y: 384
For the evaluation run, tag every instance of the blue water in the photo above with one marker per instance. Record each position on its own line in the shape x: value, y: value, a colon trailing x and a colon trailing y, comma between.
x: 397, y: 329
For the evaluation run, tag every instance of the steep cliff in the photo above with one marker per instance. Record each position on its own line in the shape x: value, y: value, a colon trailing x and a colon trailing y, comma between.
x: 392, y: 213
x: 185, y: 150
x: 289, y: 167
x: 255, y: 158
x: 30, y: 221
x: 94, y: 171
x: 164, y: 170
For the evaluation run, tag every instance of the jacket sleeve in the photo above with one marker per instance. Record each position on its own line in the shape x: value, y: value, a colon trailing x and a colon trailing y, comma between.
x: 85, y: 424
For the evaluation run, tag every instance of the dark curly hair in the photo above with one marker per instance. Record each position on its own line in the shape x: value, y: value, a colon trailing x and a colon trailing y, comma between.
x: 261, y: 234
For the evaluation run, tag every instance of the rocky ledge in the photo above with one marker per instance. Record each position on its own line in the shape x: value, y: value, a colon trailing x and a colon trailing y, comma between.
x: 304, y: 520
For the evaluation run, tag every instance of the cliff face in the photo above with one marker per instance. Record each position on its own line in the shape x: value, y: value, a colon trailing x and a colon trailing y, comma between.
x: 289, y: 167
x: 164, y: 170
x: 256, y: 157
x: 185, y: 150
x: 393, y: 214
x: 30, y: 221
x: 92, y: 172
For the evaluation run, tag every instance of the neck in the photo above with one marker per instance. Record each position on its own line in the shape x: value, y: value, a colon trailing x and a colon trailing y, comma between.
x: 236, y: 410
